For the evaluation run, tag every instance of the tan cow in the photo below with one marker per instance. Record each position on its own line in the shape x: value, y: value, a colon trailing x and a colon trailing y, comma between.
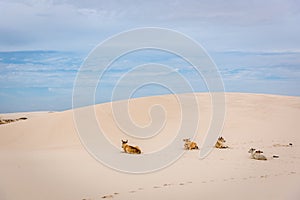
x: 130, y: 149
x: 257, y: 154
x: 189, y: 145
x: 220, y: 144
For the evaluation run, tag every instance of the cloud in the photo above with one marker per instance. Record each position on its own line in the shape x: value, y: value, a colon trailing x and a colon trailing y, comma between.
x: 46, y: 25
x: 80, y: 25
x: 263, y: 73
x: 38, y: 69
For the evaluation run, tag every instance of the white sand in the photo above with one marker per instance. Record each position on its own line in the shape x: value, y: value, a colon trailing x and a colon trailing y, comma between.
x: 42, y: 158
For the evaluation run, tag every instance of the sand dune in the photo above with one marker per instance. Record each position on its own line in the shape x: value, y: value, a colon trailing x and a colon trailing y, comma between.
x: 43, y: 158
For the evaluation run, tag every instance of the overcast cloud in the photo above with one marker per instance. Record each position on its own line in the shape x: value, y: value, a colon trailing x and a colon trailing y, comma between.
x: 218, y: 25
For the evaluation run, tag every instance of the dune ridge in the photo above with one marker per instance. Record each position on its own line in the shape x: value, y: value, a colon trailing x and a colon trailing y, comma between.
x: 42, y: 157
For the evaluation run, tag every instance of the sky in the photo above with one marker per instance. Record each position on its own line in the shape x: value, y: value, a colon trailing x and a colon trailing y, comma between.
x: 254, y: 44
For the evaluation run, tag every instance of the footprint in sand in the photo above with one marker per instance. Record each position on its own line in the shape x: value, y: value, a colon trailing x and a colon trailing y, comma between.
x: 156, y: 187
x: 107, y: 196
x: 167, y: 184
x: 181, y: 183
x: 140, y: 188
x: 283, y: 145
x: 132, y: 191
x: 276, y: 174
x: 292, y: 173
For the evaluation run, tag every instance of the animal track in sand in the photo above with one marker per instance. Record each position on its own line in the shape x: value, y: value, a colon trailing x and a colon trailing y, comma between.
x: 295, y: 157
x: 180, y: 184
x: 291, y: 173
x: 279, y: 174
x: 258, y: 176
x: 282, y: 145
x: 107, y: 196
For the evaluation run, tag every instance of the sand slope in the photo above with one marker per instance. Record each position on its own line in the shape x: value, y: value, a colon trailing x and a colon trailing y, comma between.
x: 42, y: 157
